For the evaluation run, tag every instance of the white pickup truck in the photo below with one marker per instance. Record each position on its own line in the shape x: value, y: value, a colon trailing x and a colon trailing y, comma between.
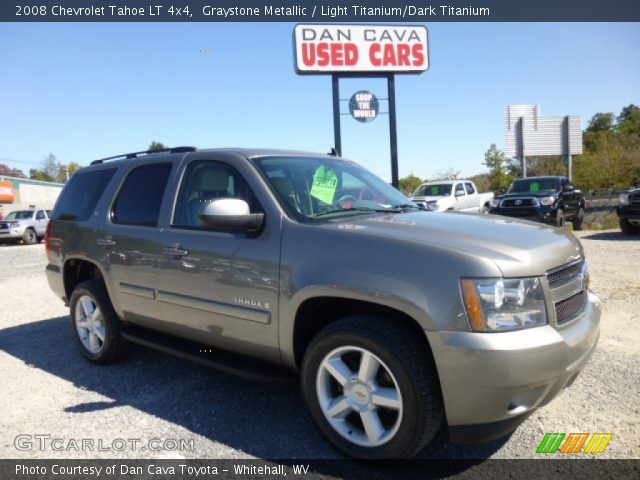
x: 445, y: 195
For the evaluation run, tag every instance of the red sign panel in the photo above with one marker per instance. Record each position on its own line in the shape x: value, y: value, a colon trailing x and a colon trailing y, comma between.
x: 6, y: 192
x: 325, y: 49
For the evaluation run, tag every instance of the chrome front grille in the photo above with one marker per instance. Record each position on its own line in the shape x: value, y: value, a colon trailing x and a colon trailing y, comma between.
x: 519, y: 202
x: 567, y: 291
x: 563, y: 275
x: 571, y: 307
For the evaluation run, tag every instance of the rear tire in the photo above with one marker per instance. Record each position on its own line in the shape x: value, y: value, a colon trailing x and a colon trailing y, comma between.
x: 399, y: 400
x: 96, y: 325
x: 29, y: 237
x: 578, y: 220
x: 627, y: 227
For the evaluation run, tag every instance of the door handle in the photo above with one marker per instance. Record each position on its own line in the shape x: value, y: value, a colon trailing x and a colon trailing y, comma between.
x: 106, y: 241
x: 175, y: 250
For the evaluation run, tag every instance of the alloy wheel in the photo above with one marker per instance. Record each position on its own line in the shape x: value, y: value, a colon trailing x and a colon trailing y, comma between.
x: 359, y: 396
x: 90, y: 324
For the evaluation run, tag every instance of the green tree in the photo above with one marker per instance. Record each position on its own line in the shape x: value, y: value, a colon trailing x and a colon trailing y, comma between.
x: 409, y: 183
x: 156, y: 147
x: 629, y: 120
x: 601, y: 122
x: 496, y: 161
x: 72, y: 168
x: 482, y: 182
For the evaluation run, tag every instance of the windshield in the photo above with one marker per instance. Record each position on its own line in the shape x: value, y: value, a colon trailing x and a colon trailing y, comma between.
x: 440, y: 190
x: 20, y: 215
x: 534, y: 185
x: 314, y: 187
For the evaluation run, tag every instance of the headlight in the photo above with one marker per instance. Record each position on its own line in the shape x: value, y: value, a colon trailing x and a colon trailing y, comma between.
x: 432, y: 204
x: 547, y: 200
x: 14, y: 224
x: 624, y: 198
x: 502, y: 304
x: 495, y: 202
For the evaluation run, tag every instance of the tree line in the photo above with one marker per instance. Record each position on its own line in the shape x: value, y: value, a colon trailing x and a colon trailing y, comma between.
x: 52, y: 170
x: 610, y: 159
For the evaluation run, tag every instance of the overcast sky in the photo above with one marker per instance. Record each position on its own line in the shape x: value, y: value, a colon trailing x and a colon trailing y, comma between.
x: 85, y: 91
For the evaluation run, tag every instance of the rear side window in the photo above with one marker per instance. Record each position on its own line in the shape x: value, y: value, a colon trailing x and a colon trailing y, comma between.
x: 80, y: 196
x: 470, y: 189
x: 139, y: 200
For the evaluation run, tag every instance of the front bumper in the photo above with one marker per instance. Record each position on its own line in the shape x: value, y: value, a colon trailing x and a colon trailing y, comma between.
x: 491, y: 382
x: 544, y: 214
x: 629, y: 212
x: 11, y: 233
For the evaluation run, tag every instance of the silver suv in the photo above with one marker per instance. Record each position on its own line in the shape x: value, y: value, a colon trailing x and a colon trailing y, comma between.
x: 26, y: 225
x: 277, y: 264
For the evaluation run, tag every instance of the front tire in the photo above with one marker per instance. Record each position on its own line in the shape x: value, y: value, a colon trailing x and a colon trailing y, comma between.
x: 627, y: 227
x: 372, y: 389
x: 95, y: 324
x: 29, y: 237
x: 578, y: 220
x: 560, y: 220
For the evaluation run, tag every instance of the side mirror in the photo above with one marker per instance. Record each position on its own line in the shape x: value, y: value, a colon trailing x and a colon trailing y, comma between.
x: 230, y: 213
x: 567, y: 188
x: 459, y: 193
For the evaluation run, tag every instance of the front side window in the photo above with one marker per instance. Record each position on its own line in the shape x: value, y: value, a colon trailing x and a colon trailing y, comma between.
x: 40, y: 215
x: 20, y: 215
x: 140, y: 197
x: 312, y: 188
x: 205, y: 181
x: 459, y: 189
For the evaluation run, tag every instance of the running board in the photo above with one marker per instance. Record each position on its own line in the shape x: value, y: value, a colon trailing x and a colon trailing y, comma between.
x: 209, y: 356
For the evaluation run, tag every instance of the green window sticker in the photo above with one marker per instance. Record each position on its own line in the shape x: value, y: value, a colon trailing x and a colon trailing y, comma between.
x: 435, y: 190
x: 325, y: 184
x: 534, y: 187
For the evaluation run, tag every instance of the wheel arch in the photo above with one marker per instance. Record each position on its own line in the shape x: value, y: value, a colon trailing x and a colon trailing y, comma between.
x: 76, y: 270
x: 317, y: 312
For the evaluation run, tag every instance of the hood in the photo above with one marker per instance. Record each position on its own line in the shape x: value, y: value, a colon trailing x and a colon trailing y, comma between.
x: 517, y: 247
x: 544, y: 193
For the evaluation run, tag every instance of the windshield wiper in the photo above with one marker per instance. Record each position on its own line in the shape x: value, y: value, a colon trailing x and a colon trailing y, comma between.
x: 359, y: 209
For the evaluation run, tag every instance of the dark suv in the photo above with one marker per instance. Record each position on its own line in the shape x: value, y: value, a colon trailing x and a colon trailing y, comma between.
x: 629, y: 211
x: 551, y: 200
x: 277, y: 264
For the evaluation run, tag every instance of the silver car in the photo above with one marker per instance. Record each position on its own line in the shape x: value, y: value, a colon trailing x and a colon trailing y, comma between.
x: 276, y: 264
x: 29, y: 226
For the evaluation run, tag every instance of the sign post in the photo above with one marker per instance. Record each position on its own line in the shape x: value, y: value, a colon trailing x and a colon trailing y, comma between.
x: 364, y: 51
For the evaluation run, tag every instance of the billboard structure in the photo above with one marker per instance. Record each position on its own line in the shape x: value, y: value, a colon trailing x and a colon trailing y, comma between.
x: 362, y: 51
x: 528, y: 133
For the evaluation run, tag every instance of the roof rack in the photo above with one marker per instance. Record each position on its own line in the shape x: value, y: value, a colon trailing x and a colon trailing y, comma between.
x: 145, y: 152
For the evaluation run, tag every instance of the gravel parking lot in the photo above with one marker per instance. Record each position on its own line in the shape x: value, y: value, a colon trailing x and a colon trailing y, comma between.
x: 48, y: 388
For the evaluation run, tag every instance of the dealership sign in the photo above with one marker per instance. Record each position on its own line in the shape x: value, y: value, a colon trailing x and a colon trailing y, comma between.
x: 323, y: 49
x: 363, y: 106
x: 6, y: 192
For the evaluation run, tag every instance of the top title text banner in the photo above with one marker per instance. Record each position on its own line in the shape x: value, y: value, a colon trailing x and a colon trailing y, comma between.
x: 321, y: 11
